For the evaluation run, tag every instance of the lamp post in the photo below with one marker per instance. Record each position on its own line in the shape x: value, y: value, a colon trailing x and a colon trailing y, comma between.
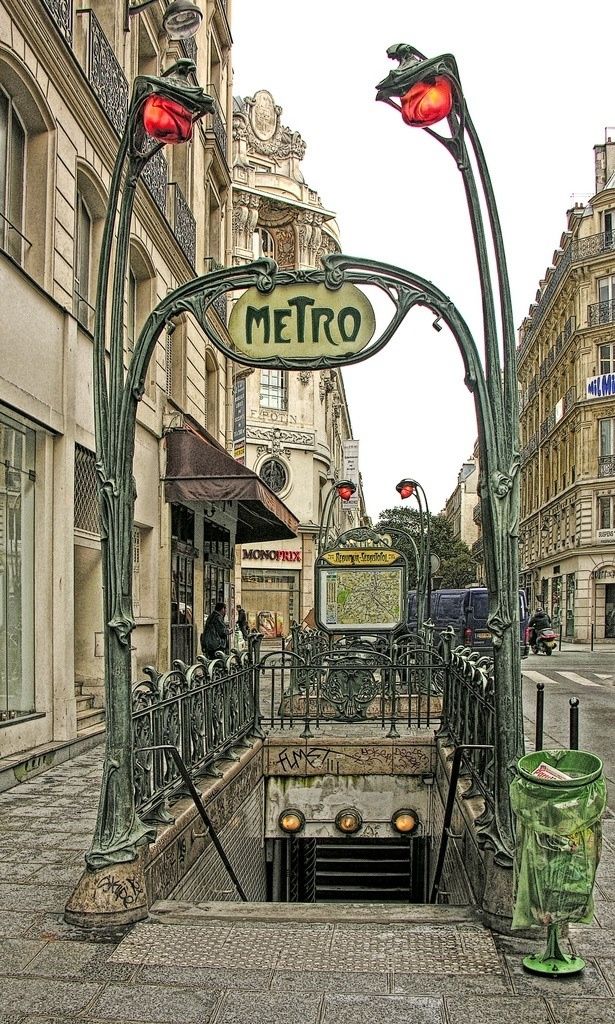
x: 343, y: 489
x: 427, y: 91
x: 162, y: 110
x: 407, y: 488
x: 181, y: 19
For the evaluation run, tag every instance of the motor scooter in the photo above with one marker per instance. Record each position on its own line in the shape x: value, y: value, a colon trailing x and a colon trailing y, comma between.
x: 544, y: 641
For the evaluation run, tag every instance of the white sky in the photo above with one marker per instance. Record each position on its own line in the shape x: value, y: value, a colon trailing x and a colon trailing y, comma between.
x: 538, y: 79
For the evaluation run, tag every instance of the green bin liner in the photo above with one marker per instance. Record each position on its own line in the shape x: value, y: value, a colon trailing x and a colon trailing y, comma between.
x: 559, y: 836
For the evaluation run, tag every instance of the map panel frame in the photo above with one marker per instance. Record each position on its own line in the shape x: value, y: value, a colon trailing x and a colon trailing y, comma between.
x: 379, y: 584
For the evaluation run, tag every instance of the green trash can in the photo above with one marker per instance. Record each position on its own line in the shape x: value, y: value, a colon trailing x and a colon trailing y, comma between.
x: 557, y: 849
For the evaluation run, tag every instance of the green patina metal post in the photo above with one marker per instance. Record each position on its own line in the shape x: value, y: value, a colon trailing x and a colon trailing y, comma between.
x: 429, y: 90
x: 118, y: 829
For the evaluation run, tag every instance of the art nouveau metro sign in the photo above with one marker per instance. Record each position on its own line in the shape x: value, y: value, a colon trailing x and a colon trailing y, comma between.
x: 301, y: 321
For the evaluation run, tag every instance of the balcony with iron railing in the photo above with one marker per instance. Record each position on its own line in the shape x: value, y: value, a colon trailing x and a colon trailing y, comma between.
x: 601, y: 313
x: 184, y: 224
x: 477, y: 512
x: 61, y: 13
x: 103, y: 70
x: 529, y: 449
x: 577, y: 251
x: 606, y: 466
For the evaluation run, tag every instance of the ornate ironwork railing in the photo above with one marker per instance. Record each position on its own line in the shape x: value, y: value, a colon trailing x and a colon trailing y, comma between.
x: 61, y: 12
x: 468, y: 718
x: 529, y: 449
x: 569, y: 399
x: 393, y: 682
x: 204, y: 710
x: 477, y: 512
x: 600, y: 313
x: 156, y: 177
x: 606, y: 465
x: 184, y: 224
x: 105, y: 74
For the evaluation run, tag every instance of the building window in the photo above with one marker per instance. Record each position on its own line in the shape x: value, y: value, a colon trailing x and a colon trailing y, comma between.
x: 606, y: 508
x: 607, y: 357
x: 273, y: 393
x: 12, y: 177
x: 17, y: 462
x: 140, y: 296
x: 607, y: 437
x: 263, y: 244
x: 606, y: 289
x: 86, y: 505
x: 609, y: 229
x: 84, y: 309
x: 274, y: 473
x: 90, y: 210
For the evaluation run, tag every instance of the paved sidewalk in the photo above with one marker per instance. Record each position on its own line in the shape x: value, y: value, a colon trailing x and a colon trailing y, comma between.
x: 261, y: 964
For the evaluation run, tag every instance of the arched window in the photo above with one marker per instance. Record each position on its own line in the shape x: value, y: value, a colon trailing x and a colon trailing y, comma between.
x: 263, y: 244
x: 25, y: 162
x: 90, y: 209
x: 139, y: 292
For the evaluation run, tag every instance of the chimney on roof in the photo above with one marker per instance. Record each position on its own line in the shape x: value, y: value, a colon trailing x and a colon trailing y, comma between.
x: 604, y: 157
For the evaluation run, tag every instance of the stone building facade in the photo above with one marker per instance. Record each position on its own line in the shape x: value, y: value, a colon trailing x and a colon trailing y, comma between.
x: 566, y: 367
x: 461, y: 504
x: 295, y: 426
x: 65, y: 73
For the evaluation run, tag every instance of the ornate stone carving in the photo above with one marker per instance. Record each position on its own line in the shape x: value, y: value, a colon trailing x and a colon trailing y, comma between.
x: 257, y: 121
x: 295, y: 437
x: 285, y: 247
x: 246, y: 207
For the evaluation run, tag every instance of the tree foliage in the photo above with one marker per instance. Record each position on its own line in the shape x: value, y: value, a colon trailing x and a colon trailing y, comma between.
x: 458, y: 567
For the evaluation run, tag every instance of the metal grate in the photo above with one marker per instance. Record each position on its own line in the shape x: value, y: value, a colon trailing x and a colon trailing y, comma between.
x: 87, y: 516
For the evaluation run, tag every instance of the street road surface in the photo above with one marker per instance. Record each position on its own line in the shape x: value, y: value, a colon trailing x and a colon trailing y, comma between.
x: 573, y: 673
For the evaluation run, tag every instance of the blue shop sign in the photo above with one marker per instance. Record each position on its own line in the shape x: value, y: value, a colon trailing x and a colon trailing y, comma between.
x: 602, y: 386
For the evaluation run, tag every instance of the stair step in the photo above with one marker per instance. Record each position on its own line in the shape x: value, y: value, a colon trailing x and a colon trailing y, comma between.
x: 179, y: 912
x: 363, y: 864
x: 84, y: 700
x: 91, y: 716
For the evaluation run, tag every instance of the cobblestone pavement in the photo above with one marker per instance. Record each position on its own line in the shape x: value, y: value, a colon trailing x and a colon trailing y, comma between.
x: 232, y: 964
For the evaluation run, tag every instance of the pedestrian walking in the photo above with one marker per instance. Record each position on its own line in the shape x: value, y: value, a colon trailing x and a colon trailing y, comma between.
x: 242, y: 622
x: 215, y: 634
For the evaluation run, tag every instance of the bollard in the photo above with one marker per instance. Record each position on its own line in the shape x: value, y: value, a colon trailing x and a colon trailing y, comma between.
x: 574, y: 723
x: 560, y: 637
x: 591, y: 640
x: 540, y: 714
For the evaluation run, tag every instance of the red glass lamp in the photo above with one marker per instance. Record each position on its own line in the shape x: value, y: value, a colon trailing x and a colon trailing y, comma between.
x: 427, y: 102
x: 405, y: 488
x: 345, y: 490
x: 166, y: 120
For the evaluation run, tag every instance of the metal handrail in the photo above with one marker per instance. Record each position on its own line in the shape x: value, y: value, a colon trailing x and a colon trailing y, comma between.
x: 200, y: 806
x: 448, y: 813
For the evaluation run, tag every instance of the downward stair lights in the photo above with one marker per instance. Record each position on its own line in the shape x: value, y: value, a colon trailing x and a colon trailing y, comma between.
x: 405, y: 821
x: 348, y: 821
x: 291, y: 821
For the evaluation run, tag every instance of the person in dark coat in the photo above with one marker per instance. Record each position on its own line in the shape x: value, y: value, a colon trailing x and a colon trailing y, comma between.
x: 215, y: 634
x: 242, y: 622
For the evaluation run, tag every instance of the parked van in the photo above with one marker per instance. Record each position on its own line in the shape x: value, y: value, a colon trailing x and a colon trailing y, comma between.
x: 466, y: 611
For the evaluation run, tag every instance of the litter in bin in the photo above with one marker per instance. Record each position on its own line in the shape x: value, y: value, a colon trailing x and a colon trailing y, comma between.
x: 558, y: 798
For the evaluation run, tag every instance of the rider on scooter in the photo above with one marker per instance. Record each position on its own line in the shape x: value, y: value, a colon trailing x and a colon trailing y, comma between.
x: 539, y: 620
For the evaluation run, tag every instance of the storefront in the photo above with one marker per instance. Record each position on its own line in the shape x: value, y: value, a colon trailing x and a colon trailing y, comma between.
x: 603, y: 578
x: 216, y: 504
x: 270, y: 587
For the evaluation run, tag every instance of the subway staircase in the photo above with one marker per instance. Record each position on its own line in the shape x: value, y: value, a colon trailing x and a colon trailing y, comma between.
x: 90, y: 719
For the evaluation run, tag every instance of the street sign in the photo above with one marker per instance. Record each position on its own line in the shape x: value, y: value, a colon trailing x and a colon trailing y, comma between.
x: 301, y: 321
